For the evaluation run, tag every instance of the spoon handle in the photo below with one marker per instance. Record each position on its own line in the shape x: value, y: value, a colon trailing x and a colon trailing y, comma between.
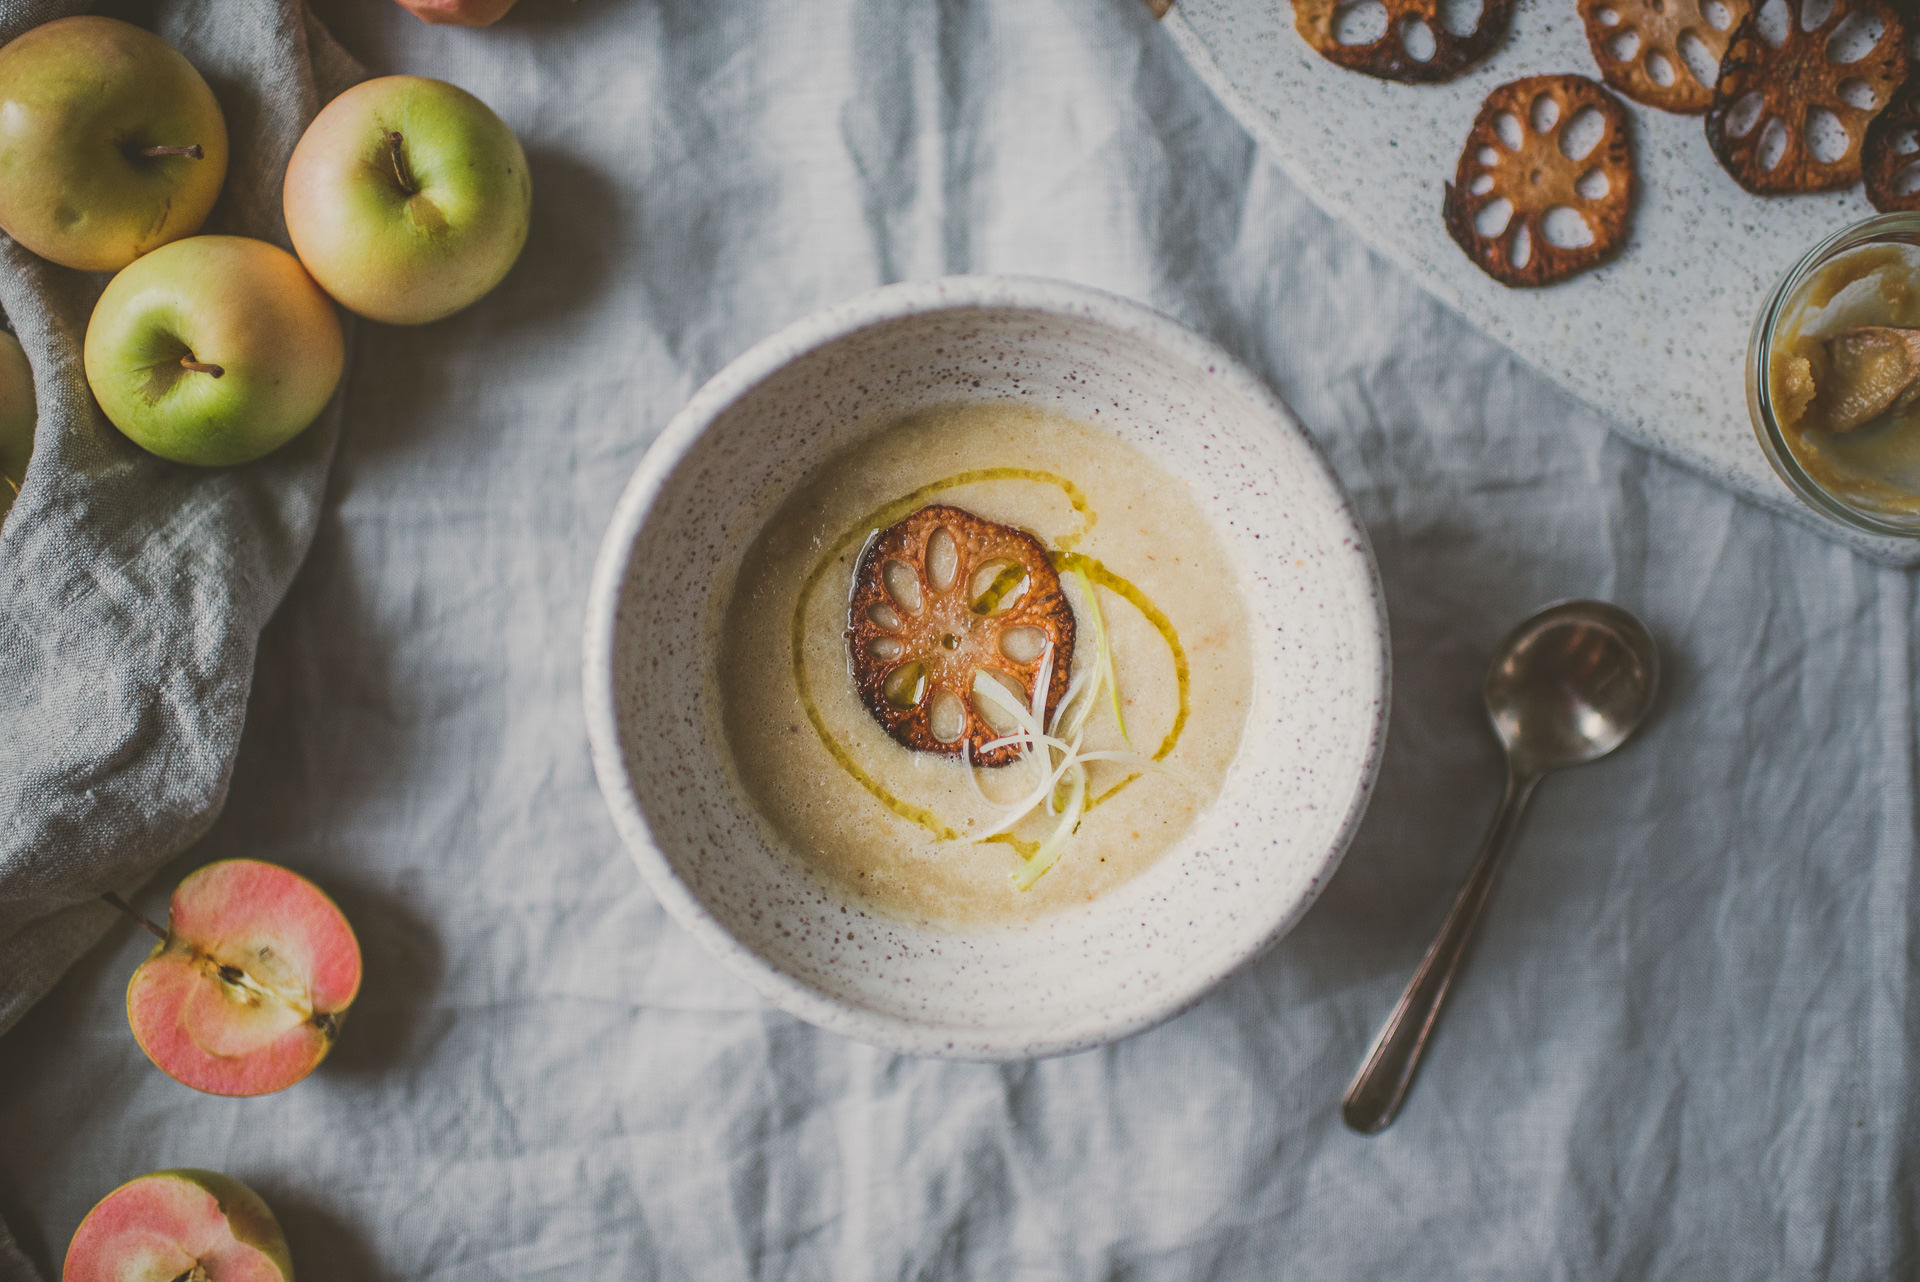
x: 1373, y: 1099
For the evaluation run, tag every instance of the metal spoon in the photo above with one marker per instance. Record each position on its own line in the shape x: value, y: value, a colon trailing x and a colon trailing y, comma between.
x: 1567, y: 686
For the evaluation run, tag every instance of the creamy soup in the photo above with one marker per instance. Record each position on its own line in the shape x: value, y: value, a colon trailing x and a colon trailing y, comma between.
x: 927, y: 834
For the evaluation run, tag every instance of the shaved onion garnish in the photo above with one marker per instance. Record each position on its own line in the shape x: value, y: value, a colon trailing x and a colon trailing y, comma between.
x: 1060, y: 764
x: 1105, y: 665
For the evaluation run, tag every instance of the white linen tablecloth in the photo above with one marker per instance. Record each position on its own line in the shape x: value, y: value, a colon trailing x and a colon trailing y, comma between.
x: 1684, y: 1049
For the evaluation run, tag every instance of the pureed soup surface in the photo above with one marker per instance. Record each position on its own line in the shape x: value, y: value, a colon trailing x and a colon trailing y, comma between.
x: 900, y: 830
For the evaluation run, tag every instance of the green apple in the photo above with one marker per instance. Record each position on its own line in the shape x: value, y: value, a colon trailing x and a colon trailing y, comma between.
x: 407, y: 199
x: 110, y: 143
x: 16, y: 419
x: 213, y: 350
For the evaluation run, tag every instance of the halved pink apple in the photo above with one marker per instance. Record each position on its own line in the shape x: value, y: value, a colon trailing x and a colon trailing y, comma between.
x: 245, y: 994
x: 172, y: 1225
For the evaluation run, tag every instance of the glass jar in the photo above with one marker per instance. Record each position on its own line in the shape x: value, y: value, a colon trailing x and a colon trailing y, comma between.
x: 1863, y: 479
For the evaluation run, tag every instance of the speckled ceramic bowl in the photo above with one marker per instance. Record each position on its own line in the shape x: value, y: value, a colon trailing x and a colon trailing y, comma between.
x: 1244, y: 873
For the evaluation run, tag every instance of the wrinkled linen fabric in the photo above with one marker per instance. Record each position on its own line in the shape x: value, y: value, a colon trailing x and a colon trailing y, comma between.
x: 133, y: 591
x: 1684, y: 1048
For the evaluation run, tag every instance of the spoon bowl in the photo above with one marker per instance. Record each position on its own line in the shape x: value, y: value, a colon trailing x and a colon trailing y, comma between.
x: 1570, y: 684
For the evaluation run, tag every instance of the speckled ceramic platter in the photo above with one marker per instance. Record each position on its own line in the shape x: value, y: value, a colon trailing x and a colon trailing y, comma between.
x: 1656, y: 339
x: 1252, y: 863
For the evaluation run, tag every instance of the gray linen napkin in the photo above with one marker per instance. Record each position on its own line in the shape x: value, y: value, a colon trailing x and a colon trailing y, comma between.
x: 132, y: 590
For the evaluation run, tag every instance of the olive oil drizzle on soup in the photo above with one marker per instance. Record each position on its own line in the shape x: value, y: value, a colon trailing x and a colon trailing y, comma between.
x: 888, y: 827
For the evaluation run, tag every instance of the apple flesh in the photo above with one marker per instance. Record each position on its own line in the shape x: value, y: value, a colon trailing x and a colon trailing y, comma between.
x: 16, y: 419
x: 111, y: 144
x: 200, y: 1226
x: 213, y: 350
x: 246, y: 993
x: 458, y: 13
x: 407, y: 199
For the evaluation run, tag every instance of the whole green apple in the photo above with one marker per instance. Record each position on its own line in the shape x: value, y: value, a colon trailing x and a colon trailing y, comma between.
x: 213, y: 350
x: 16, y: 419
x: 110, y: 143
x: 407, y: 199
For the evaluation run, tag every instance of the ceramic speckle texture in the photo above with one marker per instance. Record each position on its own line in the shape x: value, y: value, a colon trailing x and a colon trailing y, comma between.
x: 1243, y: 875
x: 1655, y: 339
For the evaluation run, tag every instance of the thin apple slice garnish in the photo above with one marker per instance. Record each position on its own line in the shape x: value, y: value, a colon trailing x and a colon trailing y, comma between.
x: 245, y: 993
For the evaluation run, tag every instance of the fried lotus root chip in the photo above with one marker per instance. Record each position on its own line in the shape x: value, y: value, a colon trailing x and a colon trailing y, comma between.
x: 1891, y: 149
x: 1773, y: 104
x: 1540, y: 145
x: 1639, y: 46
x: 941, y: 596
x: 1390, y: 56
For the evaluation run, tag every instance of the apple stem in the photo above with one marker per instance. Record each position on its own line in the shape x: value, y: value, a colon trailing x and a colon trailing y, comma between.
x: 201, y: 367
x: 401, y: 171
x: 191, y: 153
x: 134, y: 913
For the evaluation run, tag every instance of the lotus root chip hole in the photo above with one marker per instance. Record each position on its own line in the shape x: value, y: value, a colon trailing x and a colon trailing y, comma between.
x: 1907, y: 181
x: 1856, y: 37
x: 1772, y: 21
x: 1813, y: 13
x: 1593, y: 184
x: 1699, y: 60
x: 1493, y: 217
x: 1506, y: 127
x: 1563, y: 226
x: 943, y: 559
x: 902, y: 585
x: 1417, y: 38
x: 1544, y: 113
x: 1907, y: 143
x: 1625, y: 47
x: 1659, y: 70
x: 998, y: 719
x: 946, y: 716
x: 1856, y: 93
x: 1718, y: 15
x: 1609, y: 17
x: 1746, y: 114
x: 1520, y: 250
x: 1773, y: 144
x: 906, y: 685
x: 1023, y: 645
x: 997, y: 586
x: 1487, y: 156
x: 886, y: 648
x: 1481, y: 185
x: 1360, y: 24
x: 884, y: 616
x: 1460, y: 17
x: 1582, y: 134
x: 1827, y: 138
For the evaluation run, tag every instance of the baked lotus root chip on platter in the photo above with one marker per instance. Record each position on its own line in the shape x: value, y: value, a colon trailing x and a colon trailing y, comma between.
x: 1545, y: 185
x: 940, y: 597
x: 1423, y: 41
x: 1664, y: 53
x: 1793, y: 103
x: 1890, y: 155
